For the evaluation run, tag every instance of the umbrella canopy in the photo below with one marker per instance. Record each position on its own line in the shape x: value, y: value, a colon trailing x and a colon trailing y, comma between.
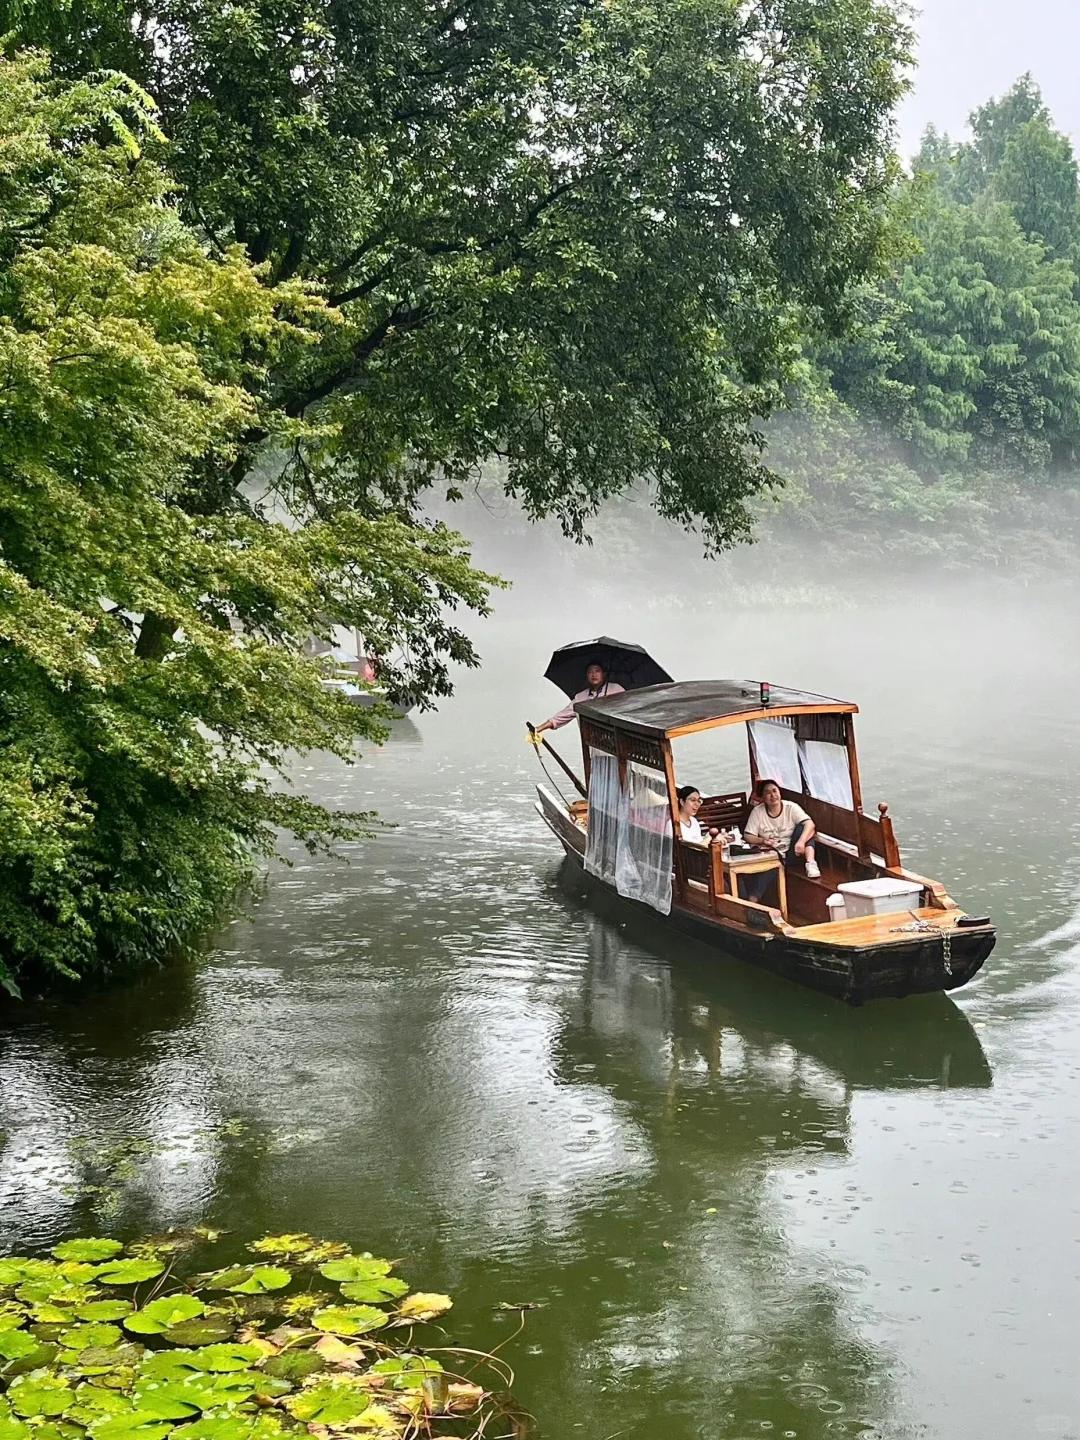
x: 627, y: 665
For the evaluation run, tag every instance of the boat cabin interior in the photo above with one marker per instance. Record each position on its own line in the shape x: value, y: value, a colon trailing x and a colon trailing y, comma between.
x: 803, y: 741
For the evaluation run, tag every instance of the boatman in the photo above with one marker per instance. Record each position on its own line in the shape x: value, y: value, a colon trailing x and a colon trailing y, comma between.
x: 597, y: 685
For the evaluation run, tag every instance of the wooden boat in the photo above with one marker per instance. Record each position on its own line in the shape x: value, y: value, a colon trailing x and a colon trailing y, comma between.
x: 806, y: 742
x: 354, y: 674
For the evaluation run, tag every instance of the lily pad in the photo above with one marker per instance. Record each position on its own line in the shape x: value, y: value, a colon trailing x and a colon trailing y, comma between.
x: 181, y: 1399
x: 11, y: 1317
x: 11, y: 1428
x: 250, y: 1279
x: 44, y: 1312
x: 379, y: 1288
x: 102, y: 1359
x: 57, y: 1430
x: 91, y: 1248
x: 97, y: 1336
x: 349, y: 1319
x: 163, y: 1314
x: 378, y: 1417
x: 14, y: 1344
x: 79, y: 1272
x: 305, y: 1303
x: 55, y: 1290
x: 207, y: 1330
x: 103, y: 1310
x: 338, y: 1354
x: 424, y: 1307
x: 355, y: 1267
x: 219, y: 1359
x: 407, y: 1372
x: 210, y: 1359
x: 93, y: 1403
x: 235, y: 1426
x: 133, y: 1425
x: 42, y: 1355
x: 39, y: 1393
x: 332, y: 1403
x: 295, y: 1365
x: 293, y: 1245
x: 14, y: 1272
x: 131, y: 1272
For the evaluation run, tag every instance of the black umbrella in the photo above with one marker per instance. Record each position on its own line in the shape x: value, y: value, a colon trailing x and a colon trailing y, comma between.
x: 627, y: 665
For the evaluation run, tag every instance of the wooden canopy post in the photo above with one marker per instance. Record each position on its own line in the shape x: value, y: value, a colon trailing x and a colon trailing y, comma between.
x: 753, y: 763
x: 856, y: 785
x: 676, y: 831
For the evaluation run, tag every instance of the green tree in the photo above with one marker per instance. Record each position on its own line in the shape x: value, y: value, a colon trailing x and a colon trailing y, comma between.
x: 1037, y: 180
x: 408, y: 237
x: 1017, y: 157
x: 575, y: 236
x: 138, y: 759
x: 993, y: 126
x: 970, y: 354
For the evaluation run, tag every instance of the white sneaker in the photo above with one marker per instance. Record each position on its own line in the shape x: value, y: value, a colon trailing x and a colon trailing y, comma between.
x: 812, y: 871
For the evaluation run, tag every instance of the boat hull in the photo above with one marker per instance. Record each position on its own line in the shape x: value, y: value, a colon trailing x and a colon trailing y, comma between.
x: 920, y: 965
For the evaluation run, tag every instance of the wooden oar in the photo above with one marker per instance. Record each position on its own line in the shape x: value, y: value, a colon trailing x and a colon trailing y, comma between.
x: 552, y: 751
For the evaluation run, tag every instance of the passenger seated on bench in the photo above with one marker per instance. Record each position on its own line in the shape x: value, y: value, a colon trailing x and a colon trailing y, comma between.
x: 689, y: 825
x: 781, y: 825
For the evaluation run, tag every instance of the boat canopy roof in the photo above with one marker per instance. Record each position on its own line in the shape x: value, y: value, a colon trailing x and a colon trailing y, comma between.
x: 665, y: 711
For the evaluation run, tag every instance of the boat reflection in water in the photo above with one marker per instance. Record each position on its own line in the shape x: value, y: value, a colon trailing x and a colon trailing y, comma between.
x: 927, y: 1042
x: 744, y: 1098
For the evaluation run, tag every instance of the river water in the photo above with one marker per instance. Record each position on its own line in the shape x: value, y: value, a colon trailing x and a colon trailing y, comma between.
x: 740, y: 1209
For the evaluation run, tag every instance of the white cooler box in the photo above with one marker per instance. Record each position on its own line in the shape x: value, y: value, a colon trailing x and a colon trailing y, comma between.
x: 879, y: 897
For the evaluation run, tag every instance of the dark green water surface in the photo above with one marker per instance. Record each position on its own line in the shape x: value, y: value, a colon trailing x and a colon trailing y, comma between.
x: 744, y: 1210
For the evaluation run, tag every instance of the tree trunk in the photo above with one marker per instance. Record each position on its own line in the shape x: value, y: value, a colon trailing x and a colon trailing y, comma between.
x: 155, y: 635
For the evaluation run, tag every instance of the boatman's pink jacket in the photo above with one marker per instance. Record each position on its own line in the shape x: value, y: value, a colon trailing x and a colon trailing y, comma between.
x: 566, y: 714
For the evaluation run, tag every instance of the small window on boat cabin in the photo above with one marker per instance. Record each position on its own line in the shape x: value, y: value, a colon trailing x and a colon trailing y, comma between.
x: 605, y: 812
x: 716, y: 761
x: 776, y: 752
x: 806, y: 754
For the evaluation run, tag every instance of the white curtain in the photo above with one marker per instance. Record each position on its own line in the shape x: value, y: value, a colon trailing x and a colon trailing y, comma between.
x: 825, y: 767
x: 605, y: 808
x: 776, y: 753
x: 645, y: 854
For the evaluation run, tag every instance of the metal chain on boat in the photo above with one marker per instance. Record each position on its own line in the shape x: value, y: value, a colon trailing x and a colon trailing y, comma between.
x: 927, y: 927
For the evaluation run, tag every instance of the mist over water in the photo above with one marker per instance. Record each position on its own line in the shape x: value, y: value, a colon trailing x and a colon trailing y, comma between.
x: 744, y: 1210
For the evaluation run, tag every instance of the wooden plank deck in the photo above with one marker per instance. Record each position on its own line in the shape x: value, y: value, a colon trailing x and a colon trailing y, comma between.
x: 877, y: 929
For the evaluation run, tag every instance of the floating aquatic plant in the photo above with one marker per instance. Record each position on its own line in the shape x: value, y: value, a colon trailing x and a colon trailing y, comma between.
x: 265, y: 1351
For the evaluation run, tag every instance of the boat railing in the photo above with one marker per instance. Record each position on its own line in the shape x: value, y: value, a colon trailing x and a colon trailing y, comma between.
x: 868, y: 835
x: 703, y: 870
x: 724, y: 811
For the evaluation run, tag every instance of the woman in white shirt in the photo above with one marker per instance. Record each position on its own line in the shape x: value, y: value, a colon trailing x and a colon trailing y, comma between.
x: 689, y: 805
x: 689, y: 825
x: 781, y: 825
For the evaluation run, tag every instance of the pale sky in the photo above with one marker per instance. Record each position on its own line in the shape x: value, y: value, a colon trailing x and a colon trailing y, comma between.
x: 972, y: 49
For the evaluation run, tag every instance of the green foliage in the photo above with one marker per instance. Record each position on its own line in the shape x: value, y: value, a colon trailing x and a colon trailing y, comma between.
x: 153, y: 679
x: 283, y: 1378
x: 957, y: 386
x: 131, y: 1271
x: 91, y: 1249
x: 161, y: 1315
x: 380, y: 246
x: 575, y: 237
x: 349, y: 1319
x: 250, y: 1279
